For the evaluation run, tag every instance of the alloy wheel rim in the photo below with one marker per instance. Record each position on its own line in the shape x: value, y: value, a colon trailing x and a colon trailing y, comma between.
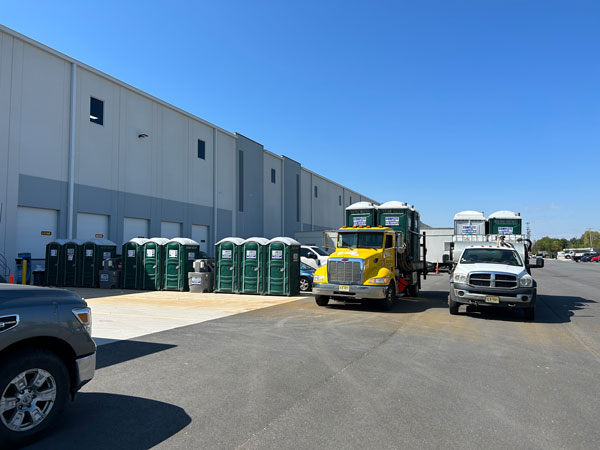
x: 27, y: 400
x: 303, y: 284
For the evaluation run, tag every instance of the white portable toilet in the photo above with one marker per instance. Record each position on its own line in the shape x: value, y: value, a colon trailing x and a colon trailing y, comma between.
x: 469, y: 223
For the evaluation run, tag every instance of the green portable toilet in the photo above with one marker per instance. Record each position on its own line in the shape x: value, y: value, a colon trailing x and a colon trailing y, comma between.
x: 180, y: 254
x: 227, y: 264
x: 252, y: 273
x: 93, y: 252
x: 72, y: 263
x: 55, y: 263
x: 505, y: 223
x: 361, y: 214
x: 152, y: 263
x: 133, y: 268
x: 399, y: 217
x: 283, y: 267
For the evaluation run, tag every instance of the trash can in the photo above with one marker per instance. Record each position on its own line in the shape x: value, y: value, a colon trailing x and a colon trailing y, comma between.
x: 152, y: 263
x: 200, y: 281
x: 21, y: 257
x: 283, y: 267
x: 133, y: 267
x: 227, y: 264
x: 55, y: 263
x: 72, y: 263
x: 252, y: 273
x: 93, y: 252
x: 109, y: 279
x: 180, y: 254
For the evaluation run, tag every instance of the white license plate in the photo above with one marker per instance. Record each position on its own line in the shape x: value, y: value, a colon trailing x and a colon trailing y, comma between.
x: 344, y: 288
x: 492, y: 299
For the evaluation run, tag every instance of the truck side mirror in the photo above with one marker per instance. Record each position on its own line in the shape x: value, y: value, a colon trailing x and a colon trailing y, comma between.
x: 539, y: 262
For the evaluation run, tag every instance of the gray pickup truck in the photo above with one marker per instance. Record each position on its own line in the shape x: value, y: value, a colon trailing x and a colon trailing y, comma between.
x: 46, y: 355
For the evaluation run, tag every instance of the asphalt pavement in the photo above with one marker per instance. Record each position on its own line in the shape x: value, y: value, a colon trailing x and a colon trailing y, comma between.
x: 297, y: 376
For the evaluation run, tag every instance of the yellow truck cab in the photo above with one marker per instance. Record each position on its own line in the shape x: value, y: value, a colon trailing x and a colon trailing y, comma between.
x: 377, y: 255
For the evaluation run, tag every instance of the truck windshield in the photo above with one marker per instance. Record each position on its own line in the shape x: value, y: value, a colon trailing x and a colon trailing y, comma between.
x: 360, y: 240
x: 490, y: 256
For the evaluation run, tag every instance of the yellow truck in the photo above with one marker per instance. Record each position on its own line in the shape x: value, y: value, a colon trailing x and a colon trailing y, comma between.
x: 379, y: 254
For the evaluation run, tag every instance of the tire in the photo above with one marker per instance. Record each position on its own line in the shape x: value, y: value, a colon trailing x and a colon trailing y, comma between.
x: 529, y: 313
x: 413, y: 290
x: 387, y: 303
x: 322, y: 300
x: 19, y: 371
x: 304, y: 284
x: 453, y: 307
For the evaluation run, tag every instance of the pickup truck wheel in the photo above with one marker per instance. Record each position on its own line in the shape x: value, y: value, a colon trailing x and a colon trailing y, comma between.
x: 529, y: 313
x: 453, y: 307
x: 34, y: 387
x: 304, y: 284
x: 322, y: 300
x: 390, y: 296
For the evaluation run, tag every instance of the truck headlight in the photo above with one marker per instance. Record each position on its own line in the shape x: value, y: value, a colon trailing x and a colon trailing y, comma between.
x: 318, y: 278
x: 84, y: 316
x: 526, y: 281
x: 460, y: 278
x: 385, y: 280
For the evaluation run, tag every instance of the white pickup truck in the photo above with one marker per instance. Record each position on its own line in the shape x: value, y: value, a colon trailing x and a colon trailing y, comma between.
x: 493, y: 274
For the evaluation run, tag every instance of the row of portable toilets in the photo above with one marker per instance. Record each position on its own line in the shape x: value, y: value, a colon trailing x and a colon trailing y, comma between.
x: 257, y: 266
x: 152, y: 264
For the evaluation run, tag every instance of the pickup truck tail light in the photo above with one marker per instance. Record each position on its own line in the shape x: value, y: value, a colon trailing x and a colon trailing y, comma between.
x: 84, y: 315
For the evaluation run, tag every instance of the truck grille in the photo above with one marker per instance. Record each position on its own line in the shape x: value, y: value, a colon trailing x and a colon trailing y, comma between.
x: 493, y: 280
x: 344, y: 272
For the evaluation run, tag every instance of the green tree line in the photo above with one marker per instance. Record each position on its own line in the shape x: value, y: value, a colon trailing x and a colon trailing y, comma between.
x: 553, y: 245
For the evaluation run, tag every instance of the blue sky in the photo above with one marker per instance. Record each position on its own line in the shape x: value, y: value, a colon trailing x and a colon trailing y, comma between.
x: 448, y: 105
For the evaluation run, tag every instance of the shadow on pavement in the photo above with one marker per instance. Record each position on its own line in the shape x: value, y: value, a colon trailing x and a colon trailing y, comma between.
x: 549, y: 309
x: 121, y: 351
x: 425, y: 301
x: 111, y: 421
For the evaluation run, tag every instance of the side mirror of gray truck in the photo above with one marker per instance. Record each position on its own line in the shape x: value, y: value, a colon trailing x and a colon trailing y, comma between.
x: 539, y: 263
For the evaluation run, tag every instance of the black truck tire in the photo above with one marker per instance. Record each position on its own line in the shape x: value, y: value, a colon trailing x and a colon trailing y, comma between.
x: 529, y: 313
x: 31, y: 365
x: 453, y: 306
x: 322, y: 300
x: 413, y: 290
x: 387, y: 303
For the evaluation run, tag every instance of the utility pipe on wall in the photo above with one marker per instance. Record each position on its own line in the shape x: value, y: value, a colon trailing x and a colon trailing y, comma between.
x: 72, y: 125
x: 215, y: 185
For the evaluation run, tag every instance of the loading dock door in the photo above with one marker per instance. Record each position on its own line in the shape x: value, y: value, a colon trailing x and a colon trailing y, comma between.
x: 90, y: 226
x: 170, y: 230
x: 200, y: 235
x: 135, y: 228
x: 36, y: 227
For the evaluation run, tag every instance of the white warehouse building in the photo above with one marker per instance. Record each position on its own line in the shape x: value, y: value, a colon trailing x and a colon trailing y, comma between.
x: 84, y: 155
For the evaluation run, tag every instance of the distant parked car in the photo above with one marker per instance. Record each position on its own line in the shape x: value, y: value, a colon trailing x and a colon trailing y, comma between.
x: 596, y: 259
x: 586, y: 257
x: 46, y: 355
x: 306, y: 277
x: 313, y: 256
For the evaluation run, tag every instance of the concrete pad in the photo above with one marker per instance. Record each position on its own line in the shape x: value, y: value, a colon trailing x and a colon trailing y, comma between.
x: 125, y: 314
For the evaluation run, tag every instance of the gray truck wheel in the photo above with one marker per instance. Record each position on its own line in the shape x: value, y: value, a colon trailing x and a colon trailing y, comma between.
x: 529, y: 313
x: 390, y: 296
x: 453, y: 307
x: 34, y: 387
x: 413, y: 290
x: 322, y: 300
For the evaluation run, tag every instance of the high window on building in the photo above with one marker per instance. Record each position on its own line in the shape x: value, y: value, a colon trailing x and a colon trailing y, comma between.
x: 340, y: 200
x: 272, y: 175
x: 201, y: 149
x: 316, y: 192
x: 96, y: 111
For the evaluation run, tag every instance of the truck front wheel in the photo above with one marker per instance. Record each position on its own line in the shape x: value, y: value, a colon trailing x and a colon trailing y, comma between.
x: 390, y: 296
x: 322, y: 300
x: 453, y: 306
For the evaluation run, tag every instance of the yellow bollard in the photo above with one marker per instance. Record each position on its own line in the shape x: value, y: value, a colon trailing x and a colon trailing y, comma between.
x: 24, y: 273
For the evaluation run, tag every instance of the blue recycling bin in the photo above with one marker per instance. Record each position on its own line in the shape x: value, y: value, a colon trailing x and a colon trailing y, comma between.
x: 19, y: 260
